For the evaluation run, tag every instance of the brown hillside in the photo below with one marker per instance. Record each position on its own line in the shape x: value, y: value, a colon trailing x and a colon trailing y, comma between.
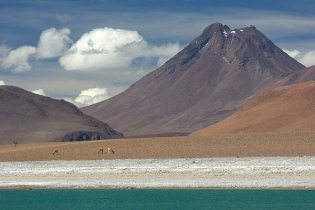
x: 283, y: 109
x: 28, y: 117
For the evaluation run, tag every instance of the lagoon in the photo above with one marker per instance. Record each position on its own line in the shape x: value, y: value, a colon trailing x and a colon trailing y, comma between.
x: 159, y: 199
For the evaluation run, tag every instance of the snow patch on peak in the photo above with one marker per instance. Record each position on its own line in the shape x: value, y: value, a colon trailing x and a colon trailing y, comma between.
x: 233, y: 32
x: 241, y: 30
x: 225, y: 33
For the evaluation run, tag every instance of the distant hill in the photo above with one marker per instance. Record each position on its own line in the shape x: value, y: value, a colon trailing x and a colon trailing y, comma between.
x: 283, y: 109
x: 28, y: 117
x: 307, y: 74
x: 204, y: 83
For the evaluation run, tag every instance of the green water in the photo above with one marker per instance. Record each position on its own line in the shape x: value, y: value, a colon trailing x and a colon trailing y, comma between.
x: 156, y: 199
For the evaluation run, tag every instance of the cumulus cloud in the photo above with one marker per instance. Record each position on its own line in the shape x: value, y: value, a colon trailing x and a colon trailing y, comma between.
x: 307, y: 59
x: 99, y: 49
x: 53, y: 42
x: 39, y: 92
x: 90, y: 96
x: 164, y: 52
x: 293, y: 53
x: 108, y: 48
x: 2, y: 82
x: 17, y: 60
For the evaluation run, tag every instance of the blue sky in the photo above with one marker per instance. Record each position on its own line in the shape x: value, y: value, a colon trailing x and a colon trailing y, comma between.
x: 157, y: 29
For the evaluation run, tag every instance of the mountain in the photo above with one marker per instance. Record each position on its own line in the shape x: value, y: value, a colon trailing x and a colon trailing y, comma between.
x: 283, y: 109
x: 204, y: 83
x: 307, y: 74
x: 28, y: 117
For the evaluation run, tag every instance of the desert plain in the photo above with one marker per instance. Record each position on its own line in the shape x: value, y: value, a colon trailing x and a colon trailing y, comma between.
x: 256, y: 160
x: 220, y: 145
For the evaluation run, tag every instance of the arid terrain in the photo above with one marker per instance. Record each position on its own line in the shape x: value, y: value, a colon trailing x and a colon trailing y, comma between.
x: 283, y: 109
x: 236, y: 145
x: 258, y: 101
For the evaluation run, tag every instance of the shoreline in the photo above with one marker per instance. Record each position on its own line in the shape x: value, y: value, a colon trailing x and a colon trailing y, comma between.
x: 30, y: 188
x: 186, y: 173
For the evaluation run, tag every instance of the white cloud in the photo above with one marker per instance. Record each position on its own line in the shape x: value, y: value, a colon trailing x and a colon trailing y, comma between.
x: 293, y: 53
x: 39, y: 92
x: 2, y: 82
x: 164, y: 52
x: 307, y: 59
x: 53, y: 42
x: 100, y: 49
x: 90, y: 96
x: 108, y: 48
x: 63, y: 18
x: 17, y: 60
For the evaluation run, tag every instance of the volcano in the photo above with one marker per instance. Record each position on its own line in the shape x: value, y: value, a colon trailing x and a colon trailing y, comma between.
x: 204, y: 83
x: 27, y: 117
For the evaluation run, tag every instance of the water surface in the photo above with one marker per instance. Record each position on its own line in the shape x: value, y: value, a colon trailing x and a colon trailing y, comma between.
x: 159, y: 199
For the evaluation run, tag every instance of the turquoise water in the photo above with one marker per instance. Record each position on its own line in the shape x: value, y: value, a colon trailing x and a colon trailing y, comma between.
x: 156, y: 199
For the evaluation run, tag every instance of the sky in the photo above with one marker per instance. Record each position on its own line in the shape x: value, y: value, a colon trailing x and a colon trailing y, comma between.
x: 86, y: 51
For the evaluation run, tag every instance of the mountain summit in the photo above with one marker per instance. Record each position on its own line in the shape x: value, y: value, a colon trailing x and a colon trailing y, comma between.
x: 204, y: 83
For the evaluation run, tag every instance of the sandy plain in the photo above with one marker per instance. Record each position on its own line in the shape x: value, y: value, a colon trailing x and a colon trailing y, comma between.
x: 234, y: 145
